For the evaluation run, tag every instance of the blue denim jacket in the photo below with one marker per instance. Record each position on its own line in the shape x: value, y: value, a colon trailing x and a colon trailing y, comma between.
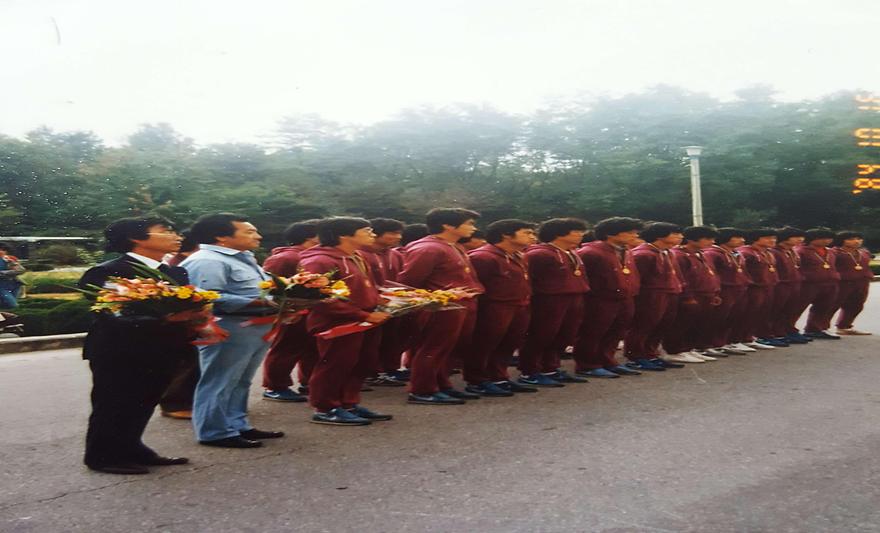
x: 236, y: 275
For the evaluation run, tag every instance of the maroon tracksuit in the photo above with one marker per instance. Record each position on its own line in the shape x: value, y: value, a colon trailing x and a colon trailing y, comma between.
x: 786, y: 294
x: 293, y: 344
x: 855, y: 277
x: 344, y: 362
x: 656, y: 304
x: 730, y: 267
x: 502, y: 314
x: 760, y: 264
x: 700, y: 287
x: 608, y: 307
x: 387, y: 264
x: 432, y: 263
x: 558, y: 287
x: 819, y: 286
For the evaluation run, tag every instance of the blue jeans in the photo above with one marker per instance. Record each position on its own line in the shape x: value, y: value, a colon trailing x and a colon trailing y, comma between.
x: 221, y: 397
x: 7, y: 298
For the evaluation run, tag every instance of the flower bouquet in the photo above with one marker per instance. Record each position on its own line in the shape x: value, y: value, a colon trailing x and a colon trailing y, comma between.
x: 155, y: 295
x: 399, y: 300
x: 297, y: 294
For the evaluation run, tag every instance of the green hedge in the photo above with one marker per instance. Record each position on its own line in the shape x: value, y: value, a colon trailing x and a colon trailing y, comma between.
x: 53, y: 317
x: 50, y: 284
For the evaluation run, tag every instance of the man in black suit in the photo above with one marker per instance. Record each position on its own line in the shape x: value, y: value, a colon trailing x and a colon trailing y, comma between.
x: 132, y: 358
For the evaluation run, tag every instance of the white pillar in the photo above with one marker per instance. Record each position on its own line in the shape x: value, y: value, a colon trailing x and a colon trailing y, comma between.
x: 693, y: 153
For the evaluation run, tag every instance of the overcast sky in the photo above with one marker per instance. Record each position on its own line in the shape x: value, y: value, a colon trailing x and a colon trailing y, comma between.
x: 224, y: 70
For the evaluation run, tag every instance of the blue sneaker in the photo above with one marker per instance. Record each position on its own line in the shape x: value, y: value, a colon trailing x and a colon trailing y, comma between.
x: 540, y: 380
x: 284, y: 395
x: 564, y: 377
x: 400, y: 375
x: 622, y: 370
x: 487, y: 388
x: 513, y: 386
x: 438, y: 398
x: 367, y: 414
x: 797, y: 338
x: 645, y: 364
x: 597, y: 373
x: 339, y: 417
x: 772, y: 342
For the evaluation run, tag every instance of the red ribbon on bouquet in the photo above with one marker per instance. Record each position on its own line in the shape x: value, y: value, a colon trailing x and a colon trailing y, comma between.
x: 345, y: 329
x: 277, y: 321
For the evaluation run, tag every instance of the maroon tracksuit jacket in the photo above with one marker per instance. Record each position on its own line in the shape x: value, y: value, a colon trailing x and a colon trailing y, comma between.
x: 293, y: 345
x: 502, y: 314
x: 387, y: 264
x: 855, y: 278
x: 608, y: 307
x: 730, y: 267
x: 786, y: 294
x: 432, y: 263
x: 344, y: 362
x: 819, y: 286
x: 760, y: 264
x: 559, y: 283
x: 656, y: 304
x: 700, y: 287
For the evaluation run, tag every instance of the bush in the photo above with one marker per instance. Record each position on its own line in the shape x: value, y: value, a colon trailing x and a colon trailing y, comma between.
x: 46, y: 316
x: 59, y: 254
x: 49, y: 283
x: 39, y: 266
x: 875, y: 268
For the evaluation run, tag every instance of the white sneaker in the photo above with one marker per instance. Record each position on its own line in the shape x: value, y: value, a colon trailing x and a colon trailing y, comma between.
x: 702, y: 356
x: 714, y: 352
x: 683, y: 357
x: 759, y: 346
x: 852, y: 331
x: 741, y: 347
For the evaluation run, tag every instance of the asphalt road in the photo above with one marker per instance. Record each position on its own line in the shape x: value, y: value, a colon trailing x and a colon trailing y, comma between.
x: 777, y: 442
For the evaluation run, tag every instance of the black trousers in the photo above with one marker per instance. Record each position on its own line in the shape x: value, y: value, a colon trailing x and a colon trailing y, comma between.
x: 126, y: 387
x: 179, y: 394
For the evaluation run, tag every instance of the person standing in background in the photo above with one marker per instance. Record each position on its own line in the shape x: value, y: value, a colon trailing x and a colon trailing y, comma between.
x: 853, y: 262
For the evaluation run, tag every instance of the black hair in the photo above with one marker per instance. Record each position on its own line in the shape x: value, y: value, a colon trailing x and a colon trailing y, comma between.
x: 188, y: 244
x: 5, y: 246
x: 756, y: 234
x: 477, y: 234
x: 787, y: 232
x: 120, y: 233
x: 207, y: 228
x: 838, y: 239
x: 658, y: 230
x: 496, y: 231
x: 589, y: 236
x: 616, y: 225
x: 559, y: 227
x: 413, y: 232
x: 299, y: 232
x: 818, y: 233
x: 382, y: 226
x: 450, y: 216
x: 695, y: 233
x: 331, y: 229
x: 725, y: 234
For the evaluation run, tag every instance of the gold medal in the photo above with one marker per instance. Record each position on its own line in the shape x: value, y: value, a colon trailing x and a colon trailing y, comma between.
x: 739, y: 269
x: 526, y: 276
x: 826, y: 266
x: 772, y: 269
x: 711, y: 272
x: 578, y: 272
x: 467, y: 270
x: 368, y: 284
x: 858, y: 267
x: 626, y: 270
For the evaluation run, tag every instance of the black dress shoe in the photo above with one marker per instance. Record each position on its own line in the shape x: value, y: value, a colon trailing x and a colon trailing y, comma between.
x: 164, y: 461
x: 232, y: 442
x: 255, y: 434
x: 124, y: 469
x: 461, y: 395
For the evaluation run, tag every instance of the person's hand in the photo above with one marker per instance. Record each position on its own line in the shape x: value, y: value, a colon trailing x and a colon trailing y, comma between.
x: 716, y: 301
x: 377, y: 317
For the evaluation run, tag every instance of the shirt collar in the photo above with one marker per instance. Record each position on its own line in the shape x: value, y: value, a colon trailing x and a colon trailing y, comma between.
x: 222, y: 249
x: 152, y: 263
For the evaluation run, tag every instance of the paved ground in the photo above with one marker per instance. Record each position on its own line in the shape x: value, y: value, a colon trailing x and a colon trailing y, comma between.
x: 782, y: 441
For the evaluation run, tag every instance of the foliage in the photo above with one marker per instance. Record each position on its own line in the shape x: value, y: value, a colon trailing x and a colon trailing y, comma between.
x: 51, y: 282
x: 60, y: 254
x: 766, y: 162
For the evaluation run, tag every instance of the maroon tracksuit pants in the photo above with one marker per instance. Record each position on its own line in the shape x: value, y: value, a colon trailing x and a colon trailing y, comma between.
x: 343, y: 365
x: 500, y: 329
x: 441, y: 333
x: 756, y: 319
x: 603, y: 327
x: 723, y: 317
x: 785, y: 310
x: 554, y: 325
x: 292, y: 346
x: 392, y: 346
x: 851, y: 300
x: 821, y: 298
x: 654, y: 314
x: 692, y: 326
